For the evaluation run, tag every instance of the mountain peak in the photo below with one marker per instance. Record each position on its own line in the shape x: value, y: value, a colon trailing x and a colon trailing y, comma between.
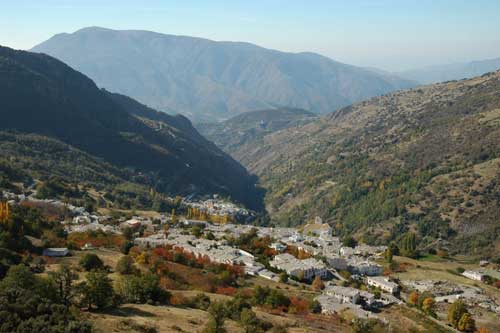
x: 209, y: 80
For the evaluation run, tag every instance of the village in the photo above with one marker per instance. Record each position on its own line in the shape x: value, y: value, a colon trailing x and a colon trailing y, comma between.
x: 353, y: 277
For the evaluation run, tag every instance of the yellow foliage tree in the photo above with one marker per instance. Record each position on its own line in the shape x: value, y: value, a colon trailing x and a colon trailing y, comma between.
x: 413, y: 298
x: 467, y: 323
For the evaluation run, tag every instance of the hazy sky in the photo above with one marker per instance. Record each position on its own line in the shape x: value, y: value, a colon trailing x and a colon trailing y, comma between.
x: 389, y: 34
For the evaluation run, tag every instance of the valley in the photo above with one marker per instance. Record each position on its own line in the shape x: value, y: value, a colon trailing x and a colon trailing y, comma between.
x: 249, y: 167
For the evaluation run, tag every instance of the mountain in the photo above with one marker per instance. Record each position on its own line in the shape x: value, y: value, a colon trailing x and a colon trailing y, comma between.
x: 210, y: 81
x: 249, y: 128
x: 458, y: 71
x: 425, y: 160
x: 44, y: 97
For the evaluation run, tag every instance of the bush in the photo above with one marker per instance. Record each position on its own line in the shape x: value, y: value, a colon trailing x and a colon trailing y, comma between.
x: 91, y: 262
x: 143, y: 289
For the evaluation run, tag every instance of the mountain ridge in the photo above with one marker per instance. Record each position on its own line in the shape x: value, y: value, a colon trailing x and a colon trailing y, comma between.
x: 43, y: 96
x: 210, y: 80
x: 424, y: 160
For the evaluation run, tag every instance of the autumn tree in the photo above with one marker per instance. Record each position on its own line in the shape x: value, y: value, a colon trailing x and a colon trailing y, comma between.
x: 318, y: 284
x: 428, y: 306
x: 466, y: 323
x: 413, y: 298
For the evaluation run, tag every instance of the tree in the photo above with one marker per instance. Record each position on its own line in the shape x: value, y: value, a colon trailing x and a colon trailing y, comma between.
x: 409, y: 245
x: 125, y: 248
x: 315, y: 306
x: 217, y: 313
x: 283, y: 277
x: 128, y: 233
x: 97, y: 290
x: 349, y: 241
x: 90, y: 262
x: 413, y: 298
x: 249, y: 321
x: 428, y: 306
x: 143, y: 289
x: 317, y: 284
x: 455, y: 313
x: 388, y: 255
x: 63, y: 279
x: 125, y: 265
x: 466, y: 323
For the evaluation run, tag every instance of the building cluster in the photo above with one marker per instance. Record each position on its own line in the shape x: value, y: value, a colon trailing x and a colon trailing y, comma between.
x: 216, y: 207
x: 301, y: 269
x: 335, y: 299
x: 449, y: 292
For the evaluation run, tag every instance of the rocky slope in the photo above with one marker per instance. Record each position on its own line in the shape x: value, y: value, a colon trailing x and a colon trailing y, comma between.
x: 425, y: 159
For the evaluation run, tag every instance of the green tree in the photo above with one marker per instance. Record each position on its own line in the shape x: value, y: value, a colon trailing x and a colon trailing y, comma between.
x: 128, y: 233
x: 455, y: 312
x: 249, y: 321
x: 284, y: 277
x: 97, y: 290
x: 409, y: 245
x: 349, y: 241
x: 388, y: 255
x: 90, y: 262
x: 217, y: 312
x: 125, y: 248
x: 63, y: 278
x: 125, y: 265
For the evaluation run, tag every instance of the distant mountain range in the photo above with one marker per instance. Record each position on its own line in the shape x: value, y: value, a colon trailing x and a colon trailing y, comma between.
x: 210, y: 81
x: 425, y: 159
x: 115, y: 137
x: 442, y: 73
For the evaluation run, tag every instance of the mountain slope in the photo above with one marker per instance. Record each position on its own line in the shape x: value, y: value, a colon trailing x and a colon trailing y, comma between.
x: 208, y: 80
x: 425, y: 159
x: 434, y: 74
x: 43, y: 96
x: 249, y: 128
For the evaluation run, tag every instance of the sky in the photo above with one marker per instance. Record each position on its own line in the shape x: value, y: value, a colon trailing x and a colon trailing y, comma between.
x: 388, y: 34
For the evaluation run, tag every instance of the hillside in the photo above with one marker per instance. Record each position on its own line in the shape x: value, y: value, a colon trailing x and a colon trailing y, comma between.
x: 43, y: 96
x: 425, y: 159
x: 248, y: 129
x: 210, y: 81
x: 458, y: 71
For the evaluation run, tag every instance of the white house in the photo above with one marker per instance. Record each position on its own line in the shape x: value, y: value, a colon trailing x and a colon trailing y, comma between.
x: 383, y: 283
x: 337, y: 263
x: 56, y: 252
x: 474, y: 275
x: 308, y: 268
x: 343, y: 294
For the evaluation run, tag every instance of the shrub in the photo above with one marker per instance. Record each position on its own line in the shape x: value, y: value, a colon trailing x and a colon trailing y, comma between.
x: 90, y: 262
